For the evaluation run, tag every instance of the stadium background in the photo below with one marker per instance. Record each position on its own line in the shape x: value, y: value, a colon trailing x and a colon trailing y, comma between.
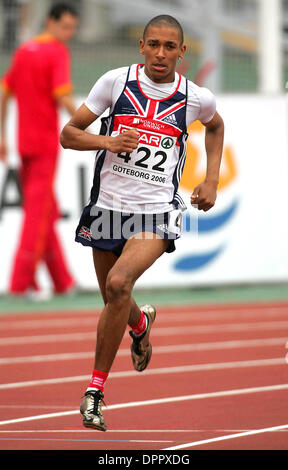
x: 220, y: 336
x: 236, y: 48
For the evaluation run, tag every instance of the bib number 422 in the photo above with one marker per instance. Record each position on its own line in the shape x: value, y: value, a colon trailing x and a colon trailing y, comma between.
x: 141, y: 162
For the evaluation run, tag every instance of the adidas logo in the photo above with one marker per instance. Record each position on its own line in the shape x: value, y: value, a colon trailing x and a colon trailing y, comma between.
x: 171, y: 119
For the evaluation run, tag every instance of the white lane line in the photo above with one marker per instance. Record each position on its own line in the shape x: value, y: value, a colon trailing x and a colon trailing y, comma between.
x: 165, y: 331
x: 80, y: 440
x: 143, y: 440
x: 221, y: 328
x: 161, y: 370
x: 47, y: 357
x: 216, y: 309
x: 124, y: 431
x: 157, y: 401
x: 225, y: 438
x: 163, y: 316
x: 47, y: 338
x: 168, y: 349
x: 44, y: 323
x: 34, y: 407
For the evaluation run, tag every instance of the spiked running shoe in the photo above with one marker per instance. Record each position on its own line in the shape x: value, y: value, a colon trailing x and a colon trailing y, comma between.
x: 141, y: 348
x: 91, y: 409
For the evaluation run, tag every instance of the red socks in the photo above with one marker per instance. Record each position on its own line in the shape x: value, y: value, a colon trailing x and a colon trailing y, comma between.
x: 97, y: 381
x: 99, y: 377
x: 141, y: 325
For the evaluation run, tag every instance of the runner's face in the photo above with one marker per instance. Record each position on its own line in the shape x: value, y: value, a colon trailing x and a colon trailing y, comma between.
x: 161, y: 48
x: 63, y: 29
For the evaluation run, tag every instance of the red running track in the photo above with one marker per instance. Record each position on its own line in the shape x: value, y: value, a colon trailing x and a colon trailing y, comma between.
x: 217, y: 380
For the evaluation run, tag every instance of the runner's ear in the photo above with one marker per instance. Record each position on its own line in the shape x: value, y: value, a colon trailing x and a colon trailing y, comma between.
x: 182, y: 51
x: 141, y: 46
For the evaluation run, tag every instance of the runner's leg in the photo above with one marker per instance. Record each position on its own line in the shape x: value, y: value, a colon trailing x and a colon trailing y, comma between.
x: 103, y: 263
x: 137, y: 256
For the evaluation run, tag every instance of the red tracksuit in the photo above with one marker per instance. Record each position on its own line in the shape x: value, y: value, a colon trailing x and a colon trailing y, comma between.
x: 40, y: 71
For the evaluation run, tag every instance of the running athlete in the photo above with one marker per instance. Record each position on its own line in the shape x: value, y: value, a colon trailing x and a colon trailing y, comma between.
x: 39, y: 81
x: 134, y: 213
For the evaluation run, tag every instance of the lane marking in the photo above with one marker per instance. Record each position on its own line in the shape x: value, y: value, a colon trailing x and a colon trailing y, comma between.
x: 165, y: 331
x: 46, y: 338
x: 162, y: 315
x: 125, y: 431
x: 224, y: 327
x: 173, y: 348
x: 45, y: 323
x: 156, y: 401
x: 161, y: 370
x: 224, y: 438
x: 210, y: 309
x: 77, y: 440
x: 47, y: 357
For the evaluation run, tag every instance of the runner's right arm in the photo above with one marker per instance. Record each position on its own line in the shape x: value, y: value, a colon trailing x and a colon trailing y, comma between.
x: 74, y: 135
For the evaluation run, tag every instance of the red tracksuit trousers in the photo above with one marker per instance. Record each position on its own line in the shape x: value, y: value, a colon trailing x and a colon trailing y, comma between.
x: 38, y: 239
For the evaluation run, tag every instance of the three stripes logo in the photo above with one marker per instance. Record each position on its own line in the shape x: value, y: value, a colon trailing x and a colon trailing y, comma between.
x: 171, y: 119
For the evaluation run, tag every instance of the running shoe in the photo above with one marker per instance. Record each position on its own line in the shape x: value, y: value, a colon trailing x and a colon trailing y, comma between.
x: 141, y: 348
x: 91, y: 409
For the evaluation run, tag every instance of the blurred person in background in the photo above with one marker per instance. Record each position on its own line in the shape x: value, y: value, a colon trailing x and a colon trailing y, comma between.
x: 39, y: 80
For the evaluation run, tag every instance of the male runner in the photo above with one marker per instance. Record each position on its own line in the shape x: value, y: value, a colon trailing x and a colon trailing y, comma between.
x: 39, y: 80
x: 140, y: 158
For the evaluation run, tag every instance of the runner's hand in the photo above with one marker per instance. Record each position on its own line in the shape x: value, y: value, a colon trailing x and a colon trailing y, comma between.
x: 204, y: 196
x: 124, y: 142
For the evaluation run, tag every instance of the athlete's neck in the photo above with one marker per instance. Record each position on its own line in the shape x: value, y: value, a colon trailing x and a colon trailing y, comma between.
x: 160, y: 81
x: 142, y: 70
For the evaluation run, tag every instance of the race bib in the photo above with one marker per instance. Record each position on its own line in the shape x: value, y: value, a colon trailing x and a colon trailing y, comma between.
x: 150, y: 162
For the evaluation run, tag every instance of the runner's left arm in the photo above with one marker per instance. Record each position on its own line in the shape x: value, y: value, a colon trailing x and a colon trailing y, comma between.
x: 204, y: 195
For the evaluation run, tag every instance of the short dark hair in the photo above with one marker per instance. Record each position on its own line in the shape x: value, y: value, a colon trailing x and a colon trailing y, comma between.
x: 165, y: 20
x: 59, y: 9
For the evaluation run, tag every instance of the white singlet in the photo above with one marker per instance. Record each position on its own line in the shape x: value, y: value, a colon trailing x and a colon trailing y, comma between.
x: 147, y: 179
